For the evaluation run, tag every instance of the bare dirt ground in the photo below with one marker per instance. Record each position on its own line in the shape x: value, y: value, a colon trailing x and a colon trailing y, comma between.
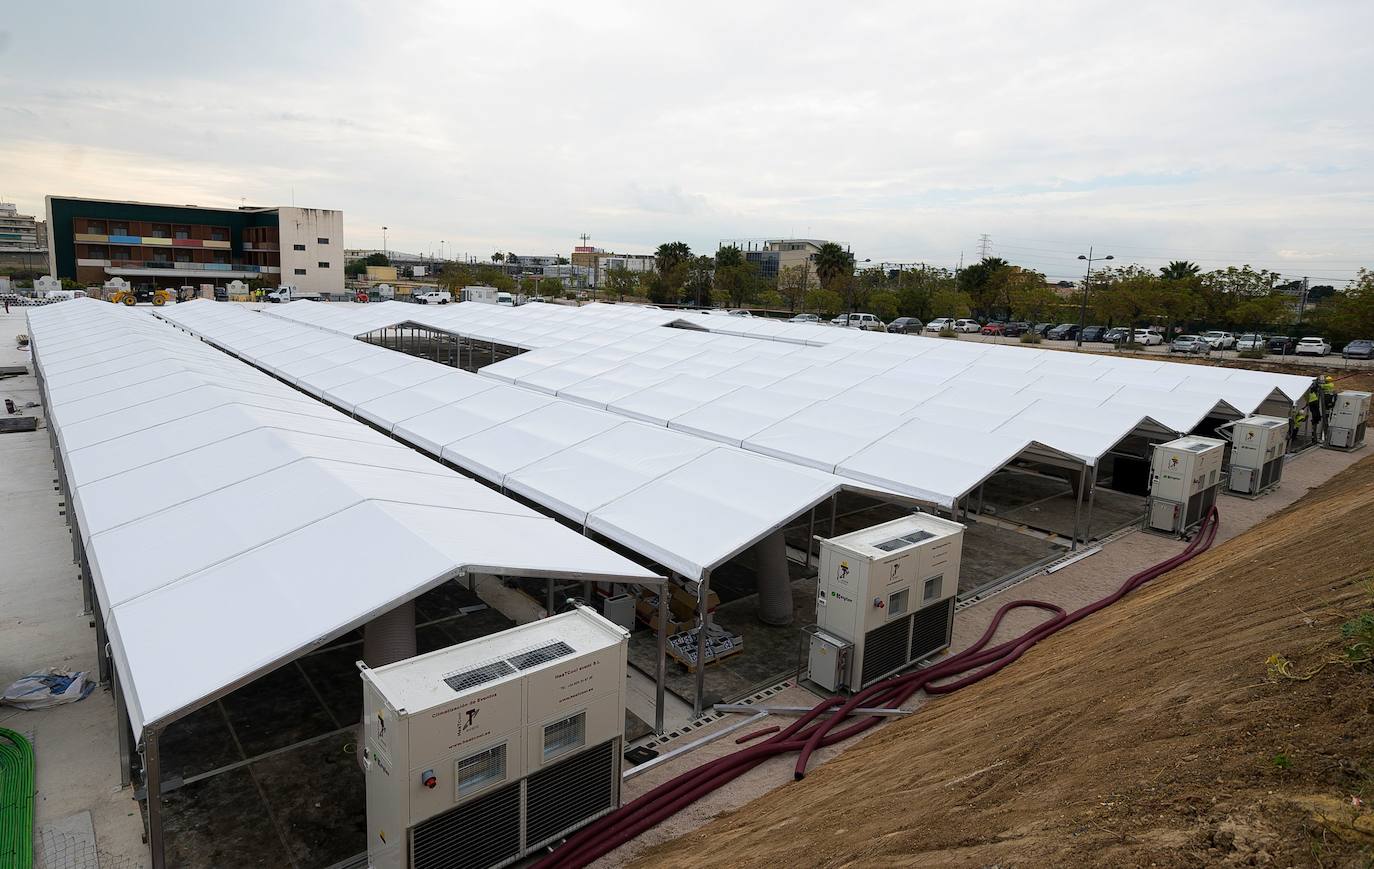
x: 1153, y: 734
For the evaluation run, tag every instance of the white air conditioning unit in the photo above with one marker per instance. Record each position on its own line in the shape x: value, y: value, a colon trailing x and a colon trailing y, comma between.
x: 884, y: 599
x: 1258, y: 445
x: 478, y: 754
x: 1184, y: 477
x: 1345, y: 428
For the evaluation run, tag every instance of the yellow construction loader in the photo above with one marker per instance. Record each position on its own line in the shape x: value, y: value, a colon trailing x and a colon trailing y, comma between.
x: 142, y: 294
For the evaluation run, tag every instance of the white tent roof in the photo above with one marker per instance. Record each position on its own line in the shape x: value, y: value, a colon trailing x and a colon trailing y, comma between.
x: 584, y: 463
x: 233, y: 525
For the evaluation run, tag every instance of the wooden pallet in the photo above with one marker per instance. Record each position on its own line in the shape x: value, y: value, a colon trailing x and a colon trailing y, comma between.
x: 691, y: 667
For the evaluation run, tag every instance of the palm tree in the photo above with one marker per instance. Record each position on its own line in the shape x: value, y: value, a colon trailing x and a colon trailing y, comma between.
x: 670, y: 255
x: 729, y: 257
x: 1179, y: 270
x: 832, y: 262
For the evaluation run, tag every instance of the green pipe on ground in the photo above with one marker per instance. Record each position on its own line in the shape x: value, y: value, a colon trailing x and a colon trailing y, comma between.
x: 16, y: 800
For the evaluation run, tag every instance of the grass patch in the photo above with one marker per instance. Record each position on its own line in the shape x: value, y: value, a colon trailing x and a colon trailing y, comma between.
x: 1030, y: 338
x: 1250, y: 354
x: 948, y: 333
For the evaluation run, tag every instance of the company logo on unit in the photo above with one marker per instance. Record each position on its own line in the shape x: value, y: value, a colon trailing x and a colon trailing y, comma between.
x: 836, y: 594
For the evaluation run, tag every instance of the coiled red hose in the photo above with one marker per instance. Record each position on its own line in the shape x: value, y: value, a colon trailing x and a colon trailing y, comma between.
x: 806, y: 734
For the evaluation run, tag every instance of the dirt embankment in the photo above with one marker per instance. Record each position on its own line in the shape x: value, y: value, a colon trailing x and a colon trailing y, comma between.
x: 1151, y: 734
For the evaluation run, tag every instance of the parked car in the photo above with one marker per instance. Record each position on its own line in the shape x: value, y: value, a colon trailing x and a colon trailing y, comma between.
x: 1190, y: 344
x: 805, y: 318
x: 940, y: 324
x: 905, y: 326
x: 1251, y: 341
x: 1014, y: 330
x: 1313, y: 347
x: 1063, y: 332
x: 1360, y: 348
x: 994, y: 328
x: 1042, y: 329
x: 1094, y: 334
x: 434, y: 297
x: 867, y: 322
x: 973, y: 327
x: 1283, y: 344
x: 1116, y: 336
x: 1220, y: 340
x: 740, y: 312
x: 1148, y: 337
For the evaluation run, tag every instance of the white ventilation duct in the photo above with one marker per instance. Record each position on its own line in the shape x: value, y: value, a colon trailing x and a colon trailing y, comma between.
x: 775, y: 584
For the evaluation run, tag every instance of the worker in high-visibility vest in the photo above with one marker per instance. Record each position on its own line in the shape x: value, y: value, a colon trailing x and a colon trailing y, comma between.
x: 1296, y: 418
x: 1314, y: 411
x: 1328, y: 393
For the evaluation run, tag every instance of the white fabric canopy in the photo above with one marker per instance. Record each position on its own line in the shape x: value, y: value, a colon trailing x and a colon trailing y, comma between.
x: 231, y: 523
x: 623, y: 479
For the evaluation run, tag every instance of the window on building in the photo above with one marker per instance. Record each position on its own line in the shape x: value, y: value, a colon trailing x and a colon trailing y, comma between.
x: 217, y: 234
x: 222, y: 258
x: 95, y: 251
x: 120, y: 253
x: 119, y: 229
x: 95, y: 228
x: 183, y: 257
x: 298, y: 247
x: 300, y: 271
x: 161, y: 230
x: 322, y: 265
x: 321, y: 241
x: 565, y: 735
x: 182, y: 232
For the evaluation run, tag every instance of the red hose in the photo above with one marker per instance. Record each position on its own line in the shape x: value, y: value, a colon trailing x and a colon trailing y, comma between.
x: 806, y: 734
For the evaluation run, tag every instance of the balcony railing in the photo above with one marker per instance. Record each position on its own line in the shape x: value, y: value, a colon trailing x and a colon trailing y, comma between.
x: 261, y: 245
x: 183, y: 266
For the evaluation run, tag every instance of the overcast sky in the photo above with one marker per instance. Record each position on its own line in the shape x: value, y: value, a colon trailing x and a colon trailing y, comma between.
x: 1218, y: 132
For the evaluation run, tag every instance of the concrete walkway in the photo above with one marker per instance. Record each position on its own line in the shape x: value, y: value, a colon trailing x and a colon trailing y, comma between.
x: 42, y: 626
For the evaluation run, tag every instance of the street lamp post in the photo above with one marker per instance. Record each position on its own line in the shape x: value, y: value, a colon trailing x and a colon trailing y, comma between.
x: 1087, y: 279
x: 384, y: 253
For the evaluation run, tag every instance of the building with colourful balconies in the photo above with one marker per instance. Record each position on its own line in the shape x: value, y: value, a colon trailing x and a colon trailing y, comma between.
x: 168, y: 246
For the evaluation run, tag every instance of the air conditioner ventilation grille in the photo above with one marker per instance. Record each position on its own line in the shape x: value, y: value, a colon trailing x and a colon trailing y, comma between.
x: 542, y: 655
x: 478, y: 675
x: 484, y: 832
x: 931, y: 628
x: 569, y: 793
x: 885, y: 649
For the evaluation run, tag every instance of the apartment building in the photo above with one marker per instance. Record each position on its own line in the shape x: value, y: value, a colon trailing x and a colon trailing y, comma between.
x: 163, y: 245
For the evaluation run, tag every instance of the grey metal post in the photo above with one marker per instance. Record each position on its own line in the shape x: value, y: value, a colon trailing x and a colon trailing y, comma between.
x: 493, y: 351
x: 810, y: 536
x: 1078, y: 506
x: 980, y: 498
x: 152, y: 782
x: 661, y: 666
x: 102, y: 660
x: 122, y: 731
x: 703, y: 592
x: 553, y: 606
x: 87, y: 583
x: 834, y: 499
x: 1088, y: 520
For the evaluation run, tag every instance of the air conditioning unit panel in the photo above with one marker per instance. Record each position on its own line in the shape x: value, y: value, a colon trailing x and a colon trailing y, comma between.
x: 1184, y: 476
x: 551, y: 740
x: 480, y: 834
x: 570, y: 793
x: 869, y: 585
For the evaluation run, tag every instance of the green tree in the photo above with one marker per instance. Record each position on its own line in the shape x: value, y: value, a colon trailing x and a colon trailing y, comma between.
x: 916, y: 288
x: 1270, y: 309
x: 551, y: 287
x: 1179, y: 270
x: 736, y: 280
x: 699, y: 283
x: 827, y: 303
x: 498, y: 257
x: 833, y: 264
x: 355, y: 268
x: 560, y: 260
x: 1011, y: 287
x: 729, y: 256
x: 1348, y: 313
x: 950, y: 302
x: 884, y: 304
x: 1127, y: 296
x: 377, y: 259
x: 978, y: 282
x: 454, y: 277
x: 619, y: 283
x: 1220, y: 292
x: 793, y: 284
x: 1034, y: 301
x: 672, y: 260
x: 528, y: 286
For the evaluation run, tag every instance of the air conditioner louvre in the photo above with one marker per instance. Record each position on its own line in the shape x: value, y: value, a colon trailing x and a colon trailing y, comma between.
x: 569, y: 793
x: 885, y: 649
x: 932, y: 628
x: 483, y: 832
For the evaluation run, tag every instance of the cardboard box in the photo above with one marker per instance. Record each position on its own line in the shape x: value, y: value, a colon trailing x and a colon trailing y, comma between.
x: 683, y: 603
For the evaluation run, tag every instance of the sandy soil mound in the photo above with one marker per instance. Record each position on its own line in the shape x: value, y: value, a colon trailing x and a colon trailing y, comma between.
x: 1152, y: 734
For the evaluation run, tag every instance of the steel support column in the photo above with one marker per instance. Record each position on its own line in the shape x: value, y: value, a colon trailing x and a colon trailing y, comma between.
x: 661, y: 664
x: 123, y: 732
x: 1088, y: 520
x: 1078, y: 505
x: 703, y: 592
x: 152, y: 784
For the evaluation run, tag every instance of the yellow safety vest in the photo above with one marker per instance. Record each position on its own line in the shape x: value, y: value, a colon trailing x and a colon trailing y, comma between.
x: 1328, y: 387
